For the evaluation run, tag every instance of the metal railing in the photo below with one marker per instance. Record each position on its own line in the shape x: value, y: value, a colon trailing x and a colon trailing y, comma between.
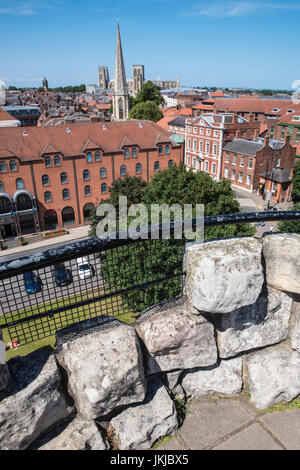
x: 50, y: 290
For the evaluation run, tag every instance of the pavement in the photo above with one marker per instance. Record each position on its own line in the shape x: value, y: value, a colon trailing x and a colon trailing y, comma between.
x: 75, y: 234
x: 234, y: 424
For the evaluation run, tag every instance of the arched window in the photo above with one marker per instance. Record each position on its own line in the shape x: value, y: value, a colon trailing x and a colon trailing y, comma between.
x: 57, y: 160
x: 65, y: 194
x: 89, y: 157
x: 19, y: 183
x: 13, y: 166
x: 102, y: 172
x: 63, y: 178
x: 126, y: 153
x: 47, y: 196
x: 167, y: 149
x: 5, y: 205
x: 45, y: 180
x: 68, y: 216
x: 86, y: 175
x: 3, y: 167
x: 160, y: 150
x: 88, y: 208
x: 97, y: 156
x: 87, y: 190
x: 138, y: 168
x: 103, y: 188
x: 123, y: 170
x: 1, y: 186
x: 170, y: 163
x: 133, y: 152
x: 48, y: 162
x: 156, y: 166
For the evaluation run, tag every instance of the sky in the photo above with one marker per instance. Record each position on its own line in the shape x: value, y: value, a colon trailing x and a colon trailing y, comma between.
x: 252, y: 44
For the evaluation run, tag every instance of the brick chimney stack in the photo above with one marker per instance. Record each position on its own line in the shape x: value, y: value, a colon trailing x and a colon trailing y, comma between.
x: 287, y: 138
x: 266, y: 140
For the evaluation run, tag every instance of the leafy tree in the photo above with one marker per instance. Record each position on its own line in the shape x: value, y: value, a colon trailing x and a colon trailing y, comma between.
x: 147, y: 111
x: 147, y: 261
x: 130, y: 186
x: 296, y: 182
x: 149, y: 92
x: 291, y: 226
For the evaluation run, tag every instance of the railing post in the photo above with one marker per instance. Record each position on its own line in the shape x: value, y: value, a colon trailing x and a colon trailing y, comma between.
x: 4, y: 371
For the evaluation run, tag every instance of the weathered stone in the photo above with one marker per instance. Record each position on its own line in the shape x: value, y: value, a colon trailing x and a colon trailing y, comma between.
x: 264, y: 323
x: 224, y: 275
x: 225, y: 378
x: 104, y: 367
x: 177, y: 337
x: 138, y: 427
x: 36, y: 400
x: 282, y: 257
x: 4, y: 371
x: 273, y: 375
x: 80, y: 434
x: 295, y: 333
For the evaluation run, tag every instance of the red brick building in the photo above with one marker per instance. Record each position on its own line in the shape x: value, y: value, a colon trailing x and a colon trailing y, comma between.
x: 263, y: 165
x: 206, y: 135
x: 52, y: 177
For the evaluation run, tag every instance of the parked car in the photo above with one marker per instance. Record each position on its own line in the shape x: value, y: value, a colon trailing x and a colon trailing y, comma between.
x: 32, y: 283
x: 85, y: 270
x: 62, y: 276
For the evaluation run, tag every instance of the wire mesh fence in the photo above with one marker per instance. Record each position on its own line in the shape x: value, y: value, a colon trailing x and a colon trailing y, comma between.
x: 118, y: 281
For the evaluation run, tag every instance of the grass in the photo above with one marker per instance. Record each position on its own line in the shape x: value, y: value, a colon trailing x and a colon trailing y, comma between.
x: 40, y: 332
x: 283, y: 406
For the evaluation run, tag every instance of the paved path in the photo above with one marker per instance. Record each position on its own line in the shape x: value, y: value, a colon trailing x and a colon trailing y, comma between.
x: 233, y: 424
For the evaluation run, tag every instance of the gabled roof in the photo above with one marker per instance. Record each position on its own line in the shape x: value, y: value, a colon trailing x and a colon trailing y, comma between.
x: 49, y: 148
x: 89, y: 145
x: 127, y: 142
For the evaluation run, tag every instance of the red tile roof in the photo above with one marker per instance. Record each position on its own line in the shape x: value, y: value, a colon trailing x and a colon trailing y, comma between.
x: 106, y: 136
x: 5, y: 116
x: 288, y: 118
x: 253, y: 105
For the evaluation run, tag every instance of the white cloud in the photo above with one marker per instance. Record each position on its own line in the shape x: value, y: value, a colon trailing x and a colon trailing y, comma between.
x: 240, y: 8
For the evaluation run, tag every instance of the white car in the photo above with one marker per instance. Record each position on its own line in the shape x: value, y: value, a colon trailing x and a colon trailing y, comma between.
x: 85, y: 270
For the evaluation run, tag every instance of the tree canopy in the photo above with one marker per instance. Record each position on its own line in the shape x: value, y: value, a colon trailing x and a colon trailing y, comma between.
x: 296, y: 181
x: 161, y: 260
x: 291, y: 226
x: 148, y: 110
x: 149, y: 92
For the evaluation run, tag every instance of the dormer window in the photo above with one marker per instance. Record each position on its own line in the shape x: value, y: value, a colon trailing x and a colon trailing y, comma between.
x: 275, y: 110
x: 57, y: 160
x: 97, y: 156
x: 3, y: 167
x: 13, y: 166
x: 89, y: 157
x: 48, y: 162
x: 126, y: 153
x: 133, y: 152
x: 296, y: 118
x: 160, y: 150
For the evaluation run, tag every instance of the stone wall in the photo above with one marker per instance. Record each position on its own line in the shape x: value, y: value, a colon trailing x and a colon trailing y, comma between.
x: 236, y: 329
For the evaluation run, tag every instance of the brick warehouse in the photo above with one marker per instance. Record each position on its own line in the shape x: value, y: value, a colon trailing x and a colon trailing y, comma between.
x: 53, y: 177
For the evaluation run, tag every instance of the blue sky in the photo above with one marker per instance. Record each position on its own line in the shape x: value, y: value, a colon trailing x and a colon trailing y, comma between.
x: 215, y: 43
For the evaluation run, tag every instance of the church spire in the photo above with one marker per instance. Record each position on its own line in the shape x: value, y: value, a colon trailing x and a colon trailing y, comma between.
x: 120, y: 98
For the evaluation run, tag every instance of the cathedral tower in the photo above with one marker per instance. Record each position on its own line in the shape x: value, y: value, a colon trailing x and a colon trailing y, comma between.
x: 120, y: 96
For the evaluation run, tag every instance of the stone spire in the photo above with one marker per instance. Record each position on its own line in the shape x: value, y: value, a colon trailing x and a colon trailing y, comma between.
x: 120, y: 97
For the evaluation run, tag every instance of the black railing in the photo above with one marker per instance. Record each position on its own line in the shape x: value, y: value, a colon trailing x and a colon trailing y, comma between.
x: 45, y: 292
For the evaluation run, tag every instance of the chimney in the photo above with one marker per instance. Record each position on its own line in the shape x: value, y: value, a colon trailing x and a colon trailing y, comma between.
x: 251, y: 117
x: 266, y: 140
x: 235, y: 117
x: 255, y: 134
x: 287, y: 138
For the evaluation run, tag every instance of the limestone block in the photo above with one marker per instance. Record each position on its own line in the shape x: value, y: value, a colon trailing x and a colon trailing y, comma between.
x: 104, y: 367
x: 224, y: 275
x: 273, y: 375
x: 177, y: 337
x: 224, y: 378
x: 295, y: 333
x: 264, y: 323
x: 138, y: 427
x: 282, y: 257
x: 80, y: 434
x: 36, y: 400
